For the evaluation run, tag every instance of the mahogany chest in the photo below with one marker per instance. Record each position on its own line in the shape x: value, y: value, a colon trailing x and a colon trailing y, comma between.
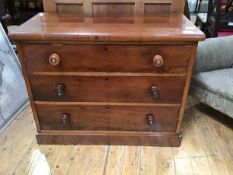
x: 116, y: 74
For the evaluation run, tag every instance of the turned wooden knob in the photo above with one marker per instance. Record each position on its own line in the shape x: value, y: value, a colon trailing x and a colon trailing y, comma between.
x: 54, y: 59
x: 150, y: 119
x: 158, y: 61
x: 65, y: 120
x: 60, y: 89
x: 154, y: 91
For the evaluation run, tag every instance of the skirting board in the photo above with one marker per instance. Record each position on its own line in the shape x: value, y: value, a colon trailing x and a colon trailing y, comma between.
x: 110, y: 138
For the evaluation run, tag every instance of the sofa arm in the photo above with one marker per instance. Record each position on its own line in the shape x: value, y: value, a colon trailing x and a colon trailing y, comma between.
x: 213, y: 54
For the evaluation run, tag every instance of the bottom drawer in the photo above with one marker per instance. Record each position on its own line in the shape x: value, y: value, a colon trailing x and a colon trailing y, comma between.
x: 118, y: 118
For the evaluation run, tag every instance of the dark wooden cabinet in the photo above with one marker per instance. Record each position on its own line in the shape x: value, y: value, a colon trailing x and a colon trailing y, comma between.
x: 108, y: 72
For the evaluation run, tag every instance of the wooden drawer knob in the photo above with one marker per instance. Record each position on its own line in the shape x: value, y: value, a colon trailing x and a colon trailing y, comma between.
x: 60, y: 89
x: 158, y: 61
x: 54, y: 59
x: 150, y: 119
x: 65, y: 120
x: 154, y: 91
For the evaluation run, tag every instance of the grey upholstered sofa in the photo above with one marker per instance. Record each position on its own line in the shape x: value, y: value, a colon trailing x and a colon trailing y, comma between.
x: 212, y: 82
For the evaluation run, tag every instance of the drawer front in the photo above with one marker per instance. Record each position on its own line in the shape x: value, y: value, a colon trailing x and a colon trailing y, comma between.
x: 107, y: 58
x: 108, y: 89
x: 123, y: 118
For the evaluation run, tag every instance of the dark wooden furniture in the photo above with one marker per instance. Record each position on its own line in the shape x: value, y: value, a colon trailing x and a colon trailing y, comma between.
x: 4, y: 16
x: 198, y: 6
x: 201, y: 17
x: 32, y: 6
x: 108, y: 72
x: 186, y: 10
x: 21, y: 10
x: 219, y: 18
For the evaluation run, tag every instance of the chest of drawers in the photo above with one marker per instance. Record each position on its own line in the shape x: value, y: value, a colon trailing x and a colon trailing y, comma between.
x: 107, y: 83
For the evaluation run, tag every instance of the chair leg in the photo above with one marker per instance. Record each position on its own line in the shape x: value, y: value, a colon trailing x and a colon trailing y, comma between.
x: 200, y: 24
x: 196, y: 7
x: 186, y: 10
x: 5, y: 20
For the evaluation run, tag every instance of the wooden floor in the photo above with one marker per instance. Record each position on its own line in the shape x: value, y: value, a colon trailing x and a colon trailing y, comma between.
x: 207, y: 149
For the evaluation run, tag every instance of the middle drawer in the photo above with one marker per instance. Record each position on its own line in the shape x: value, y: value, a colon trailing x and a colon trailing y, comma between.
x: 151, y: 89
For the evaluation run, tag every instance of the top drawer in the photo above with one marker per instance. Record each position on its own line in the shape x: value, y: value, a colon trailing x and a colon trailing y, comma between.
x: 107, y: 58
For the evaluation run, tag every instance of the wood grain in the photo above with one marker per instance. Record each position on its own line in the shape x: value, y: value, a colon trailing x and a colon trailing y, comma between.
x: 107, y: 58
x: 131, y: 160
x: 149, y: 160
x: 27, y: 82
x: 106, y: 138
x: 50, y: 6
x: 98, y: 156
x: 70, y: 9
x: 115, y: 160
x: 107, y: 89
x: 81, y: 160
x: 153, y: 9
x: 18, y: 135
x: 50, y: 27
x: 186, y: 87
x: 108, y: 118
x: 64, y: 160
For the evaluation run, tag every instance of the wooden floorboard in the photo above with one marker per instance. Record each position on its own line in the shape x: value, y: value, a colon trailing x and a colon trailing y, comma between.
x: 81, y: 160
x: 206, y: 149
x: 115, y: 160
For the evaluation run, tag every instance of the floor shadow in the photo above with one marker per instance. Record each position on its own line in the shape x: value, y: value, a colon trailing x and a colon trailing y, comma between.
x: 214, y: 114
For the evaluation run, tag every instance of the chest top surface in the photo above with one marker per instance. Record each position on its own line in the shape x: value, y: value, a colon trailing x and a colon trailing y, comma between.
x: 52, y: 27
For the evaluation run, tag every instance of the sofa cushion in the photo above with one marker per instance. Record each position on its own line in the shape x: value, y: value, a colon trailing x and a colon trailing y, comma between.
x: 214, y: 100
x: 218, y: 81
x: 213, y: 54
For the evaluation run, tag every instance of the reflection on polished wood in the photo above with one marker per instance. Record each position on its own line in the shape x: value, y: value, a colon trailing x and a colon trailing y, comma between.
x: 47, y: 26
x: 206, y: 149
